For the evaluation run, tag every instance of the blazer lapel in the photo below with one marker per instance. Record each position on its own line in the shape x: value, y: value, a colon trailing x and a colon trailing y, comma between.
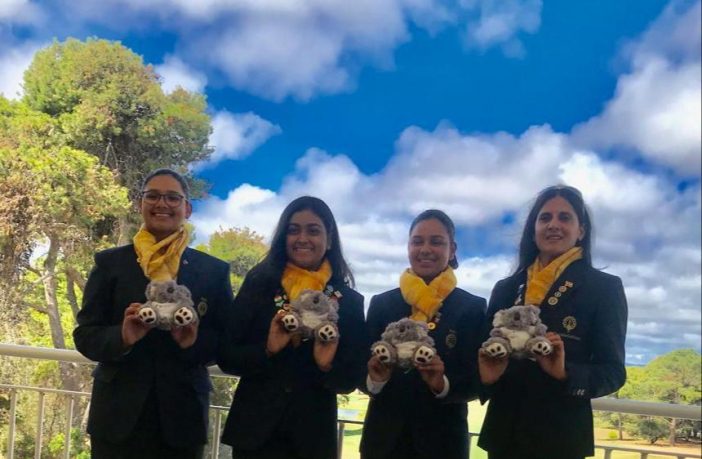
x: 565, y: 285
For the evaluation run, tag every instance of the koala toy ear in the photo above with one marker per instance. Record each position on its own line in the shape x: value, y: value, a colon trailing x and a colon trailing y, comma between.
x: 497, y: 320
x: 533, y: 312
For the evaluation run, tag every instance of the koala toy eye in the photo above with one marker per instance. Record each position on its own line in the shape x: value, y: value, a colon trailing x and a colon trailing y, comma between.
x: 171, y: 290
x: 316, y: 300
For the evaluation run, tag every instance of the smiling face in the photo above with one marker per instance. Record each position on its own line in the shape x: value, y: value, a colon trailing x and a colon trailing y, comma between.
x: 430, y: 248
x: 160, y: 219
x: 306, y: 240
x: 557, y: 229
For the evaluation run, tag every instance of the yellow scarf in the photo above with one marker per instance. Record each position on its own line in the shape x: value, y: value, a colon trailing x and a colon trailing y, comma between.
x: 426, y: 299
x: 540, y: 279
x: 160, y: 259
x: 296, y: 279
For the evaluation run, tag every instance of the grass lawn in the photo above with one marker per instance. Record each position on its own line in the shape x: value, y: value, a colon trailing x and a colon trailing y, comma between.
x: 358, y: 403
x: 356, y: 410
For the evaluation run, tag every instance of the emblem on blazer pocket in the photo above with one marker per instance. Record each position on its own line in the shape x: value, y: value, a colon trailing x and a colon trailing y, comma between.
x: 569, y: 323
x: 202, y: 307
x: 451, y: 339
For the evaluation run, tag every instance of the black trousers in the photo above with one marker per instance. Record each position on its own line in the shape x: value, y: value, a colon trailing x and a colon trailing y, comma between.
x: 152, y: 449
x: 145, y: 442
x: 526, y: 455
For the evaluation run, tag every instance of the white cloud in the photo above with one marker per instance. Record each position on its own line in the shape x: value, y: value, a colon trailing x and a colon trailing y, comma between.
x: 499, y: 23
x: 657, y: 107
x: 174, y: 73
x: 646, y: 230
x: 13, y: 63
x: 19, y: 11
x: 277, y: 49
x: 236, y: 135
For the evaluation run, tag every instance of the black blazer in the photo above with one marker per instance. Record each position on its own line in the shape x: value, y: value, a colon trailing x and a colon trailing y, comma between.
x: 155, y: 365
x: 406, y: 405
x: 529, y: 410
x: 287, y: 396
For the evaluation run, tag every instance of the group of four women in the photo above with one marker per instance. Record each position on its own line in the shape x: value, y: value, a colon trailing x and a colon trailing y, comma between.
x: 285, y: 402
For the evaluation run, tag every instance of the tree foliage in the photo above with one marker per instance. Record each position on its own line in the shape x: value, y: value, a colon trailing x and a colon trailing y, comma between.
x: 241, y: 248
x: 106, y: 102
x: 673, y: 378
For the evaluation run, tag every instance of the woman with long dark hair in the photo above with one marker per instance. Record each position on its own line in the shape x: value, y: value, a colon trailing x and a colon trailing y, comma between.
x: 422, y: 413
x: 285, y: 403
x: 541, y: 408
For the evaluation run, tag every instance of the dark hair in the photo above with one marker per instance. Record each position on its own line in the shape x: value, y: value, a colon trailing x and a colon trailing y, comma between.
x: 275, y: 260
x: 172, y: 173
x: 444, y: 220
x: 528, y: 251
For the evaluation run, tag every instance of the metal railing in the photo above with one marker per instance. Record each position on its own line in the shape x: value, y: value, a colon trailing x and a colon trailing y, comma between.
x: 63, y: 355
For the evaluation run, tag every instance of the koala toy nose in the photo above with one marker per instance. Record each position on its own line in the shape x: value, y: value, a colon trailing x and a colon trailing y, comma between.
x: 516, y: 316
x: 316, y: 300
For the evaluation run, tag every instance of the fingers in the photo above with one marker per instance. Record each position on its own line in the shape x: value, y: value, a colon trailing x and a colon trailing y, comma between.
x: 132, y: 310
x: 434, y: 365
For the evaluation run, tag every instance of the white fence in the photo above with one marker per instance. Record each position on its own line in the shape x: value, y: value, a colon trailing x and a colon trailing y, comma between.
x: 62, y: 355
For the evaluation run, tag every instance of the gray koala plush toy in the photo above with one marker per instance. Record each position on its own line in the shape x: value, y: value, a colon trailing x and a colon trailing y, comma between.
x: 168, y: 305
x: 403, y: 343
x: 314, y: 315
x: 518, y: 332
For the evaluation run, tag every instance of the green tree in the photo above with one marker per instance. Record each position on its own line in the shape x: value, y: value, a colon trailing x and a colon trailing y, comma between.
x: 672, y: 378
x: 106, y: 102
x: 64, y: 193
x: 241, y: 248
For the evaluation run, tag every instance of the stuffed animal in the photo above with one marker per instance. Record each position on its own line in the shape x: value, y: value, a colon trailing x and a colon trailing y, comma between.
x: 168, y: 305
x: 313, y: 314
x: 403, y: 343
x: 518, y: 332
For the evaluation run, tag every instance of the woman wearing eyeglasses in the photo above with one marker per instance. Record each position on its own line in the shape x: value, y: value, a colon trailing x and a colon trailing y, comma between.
x: 285, y: 404
x: 541, y: 408
x: 151, y: 389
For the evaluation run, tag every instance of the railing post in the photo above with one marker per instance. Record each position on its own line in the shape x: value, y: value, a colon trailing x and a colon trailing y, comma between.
x: 644, y: 455
x: 69, y: 422
x: 607, y: 453
x: 216, y: 434
x: 340, y: 439
x: 40, y: 425
x: 11, y: 433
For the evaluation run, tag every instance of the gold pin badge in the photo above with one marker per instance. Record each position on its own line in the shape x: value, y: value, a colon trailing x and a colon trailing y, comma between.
x: 431, y: 325
x: 451, y: 340
x: 553, y: 301
x: 568, y: 284
x: 569, y: 323
x: 557, y: 294
x: 202, y: 307
x: 562, y: 289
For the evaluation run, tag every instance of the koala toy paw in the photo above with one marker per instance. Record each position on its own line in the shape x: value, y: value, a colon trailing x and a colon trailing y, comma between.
x: 497, y: 349
x: 183, y: 317
x: 147, y: 315
x: 541, y: 347
x: 327, y: 332
x: 290, y: 322
x: 423, y: 354
x: 385, y: 353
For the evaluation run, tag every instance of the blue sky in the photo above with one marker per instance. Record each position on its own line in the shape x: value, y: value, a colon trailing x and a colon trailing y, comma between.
x: 387, y: 107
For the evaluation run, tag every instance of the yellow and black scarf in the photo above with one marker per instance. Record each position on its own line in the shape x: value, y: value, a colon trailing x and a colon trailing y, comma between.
x: 296, y: 279
x: 425, y: 299
x: 160, y: 260
x: 541, y: 278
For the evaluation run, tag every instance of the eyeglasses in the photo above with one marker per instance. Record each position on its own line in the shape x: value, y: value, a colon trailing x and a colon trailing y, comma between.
x: 153, y: 197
